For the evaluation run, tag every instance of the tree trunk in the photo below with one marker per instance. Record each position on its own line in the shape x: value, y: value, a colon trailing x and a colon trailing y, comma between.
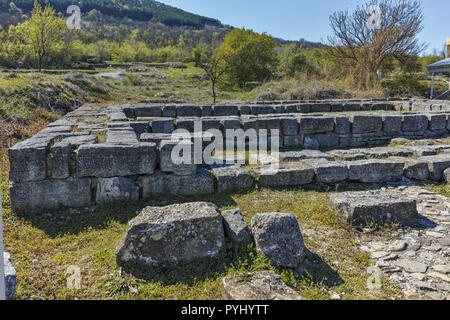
x: 213, y: 87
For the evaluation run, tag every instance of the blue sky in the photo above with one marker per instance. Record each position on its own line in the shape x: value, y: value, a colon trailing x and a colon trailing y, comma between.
x: 308, y: 19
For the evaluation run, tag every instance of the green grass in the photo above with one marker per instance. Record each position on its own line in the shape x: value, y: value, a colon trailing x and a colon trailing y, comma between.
x: 43, y: 246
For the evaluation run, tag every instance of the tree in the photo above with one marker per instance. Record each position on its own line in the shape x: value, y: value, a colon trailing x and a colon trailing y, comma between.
x: 215, y: 68
x: 367, y: 46
x: 41, y: 33
x: 249, y: 56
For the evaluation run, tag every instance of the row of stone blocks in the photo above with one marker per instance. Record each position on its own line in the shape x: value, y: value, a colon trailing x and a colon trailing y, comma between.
x: 78, y: 192
x: 53, y: 154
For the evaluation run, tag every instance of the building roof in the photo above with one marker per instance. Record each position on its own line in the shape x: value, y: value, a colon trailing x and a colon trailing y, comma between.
x: 440, y: 66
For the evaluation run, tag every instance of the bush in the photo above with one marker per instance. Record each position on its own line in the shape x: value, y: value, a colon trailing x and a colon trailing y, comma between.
x: 405, y: 85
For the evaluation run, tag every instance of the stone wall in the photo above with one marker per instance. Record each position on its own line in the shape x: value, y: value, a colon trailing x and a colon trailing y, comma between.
x: 122, y: 152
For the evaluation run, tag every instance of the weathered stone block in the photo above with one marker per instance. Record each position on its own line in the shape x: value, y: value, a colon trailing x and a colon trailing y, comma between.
x: 36, y: 196
x: 417, y: 170
x: 261, y: 285
x: 103, y: 160
x: 164, y: 237
x: 169, y: 111
x: 378, y: 207
x: 232, y: 179
x: 310, y: 125
x: 437, y: 122
x: 156, y: 138
x: 370, y: 171
x: 278, y: 236
x: 142, y: 110
x: 366, y: 124
x: 320, y: 107
x: 188, y: 111
x: 123, y: 137
x: 293, y: 141
x: 257, y: 110
x: 288, y: 174
x: 225, y: 110
x: 163, y: 125
x: 168, y: 184
x: 329, y: 172
x: 392, y: 124
x: 174, y: 160
x: 436, y: 165
x: 342, y: 125
x: 114, y: 189
x: 289, y: 126
x: 28, y: 160
x: 415, y: 123
x: 328, y: 140
x: 61, y: 153
x: 236, y: 229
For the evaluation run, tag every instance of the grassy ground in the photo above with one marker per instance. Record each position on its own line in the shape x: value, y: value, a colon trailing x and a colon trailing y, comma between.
x: 44, y: 246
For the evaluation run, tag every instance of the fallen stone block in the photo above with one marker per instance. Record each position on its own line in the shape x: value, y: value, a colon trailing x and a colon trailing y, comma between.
x: 169, y: 184
x: 278, y: 236
x: 236, y: 230
x: 115, y: 189
x: 164, y: 237
x: 417, y: 170
x: 105, y: 161
x: 370, y: 171
x: 436, y: 165
x: 36, y: 196
x: 380, y: 207
x: 232, y: 179
x: 283, y: 175
x: 261, y: 285
x: 10, y: 277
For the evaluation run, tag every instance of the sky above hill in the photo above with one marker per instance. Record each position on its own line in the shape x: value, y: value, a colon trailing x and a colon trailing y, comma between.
x: 307, y: 19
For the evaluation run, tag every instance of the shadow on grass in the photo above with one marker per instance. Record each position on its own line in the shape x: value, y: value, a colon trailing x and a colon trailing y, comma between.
x: 237, y: 259
x: 73, y: 221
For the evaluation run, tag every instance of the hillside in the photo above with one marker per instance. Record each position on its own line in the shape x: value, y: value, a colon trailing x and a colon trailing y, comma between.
x: 138, y: 10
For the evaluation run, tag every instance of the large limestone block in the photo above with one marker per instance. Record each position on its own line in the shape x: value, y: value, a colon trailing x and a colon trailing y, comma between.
x: 167, y: 236
x: 103, y: 160
x: 28, y: 160
x: 235, y: 227
x: 37, y: 196
x: 415, y: 123
x: 366, y: 124
x: 114, y: 189
x: 232, y: 179
x: 173, y: 159
x: 169, y: 184
x: 261, y: 285
x: 278, y: 236
x: 436, y: 165
x: 287, y: 174
x: 329, y: 171
x: 309, y: 125
x: 370, y: 171
x: 379, y: 207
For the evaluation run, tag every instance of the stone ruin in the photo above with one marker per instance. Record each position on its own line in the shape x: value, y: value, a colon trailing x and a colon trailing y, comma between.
x: 123, y: 153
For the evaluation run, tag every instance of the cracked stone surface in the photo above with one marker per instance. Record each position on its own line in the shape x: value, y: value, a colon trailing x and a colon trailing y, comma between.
x: 417, y: 258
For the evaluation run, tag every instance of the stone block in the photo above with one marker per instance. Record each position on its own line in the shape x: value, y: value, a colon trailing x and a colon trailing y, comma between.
x: 437, y: 122
x: 289, y: 126
x: 380, y: 207
x: 278, y: 236
x: 392, y: 124
x: 37, y: 196
x: 188, y: 111
x: 415, y: 123
x: 116, y: 189
x: 163, y: 125
x: 288, y: 174
x: 309, y: 125
x: 232, y: 179
x: 328, y: 140
x: 436, y: 165
x: 236, y: 230
x: 105, y: 161
x: 174, y: 160
x: 370, y: 171
x: 366, y: 124
x: 164, y: 237
x: 142, y: 110
x: 225, y: 110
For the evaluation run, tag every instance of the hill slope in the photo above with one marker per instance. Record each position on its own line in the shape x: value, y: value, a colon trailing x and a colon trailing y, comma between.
x: 140, y: 10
